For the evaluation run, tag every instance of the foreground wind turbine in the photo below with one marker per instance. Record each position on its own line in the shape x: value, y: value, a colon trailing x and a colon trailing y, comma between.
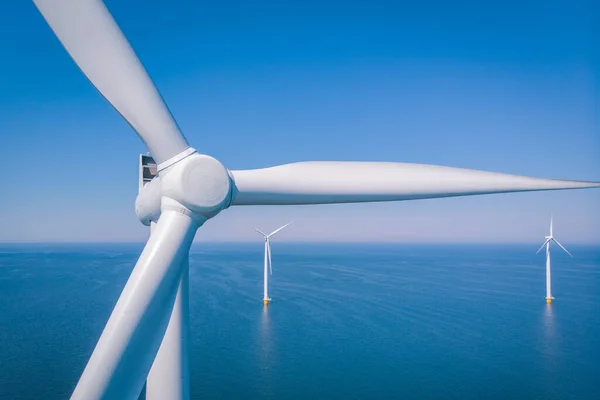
x: 549, y: 239
x: 147, y: 328
x: 268, y: 262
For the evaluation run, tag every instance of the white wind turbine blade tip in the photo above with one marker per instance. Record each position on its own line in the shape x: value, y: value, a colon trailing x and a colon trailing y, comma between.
x: 279, y: 229
x: 562, y: 247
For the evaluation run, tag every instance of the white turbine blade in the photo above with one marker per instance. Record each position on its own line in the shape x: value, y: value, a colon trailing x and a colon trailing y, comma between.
x: 562, y: 247
x: 551, y: 218
x: 95, y: 42
x: 130, y: 341
x: 261, y: 232
x: 279, y: 229
x: 353, y: 182
x: 545, y: 243
x: 269, y: 254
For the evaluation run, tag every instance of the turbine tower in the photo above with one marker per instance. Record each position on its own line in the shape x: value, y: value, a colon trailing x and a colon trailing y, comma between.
x: 146, y: 334
x: 549, y: 239
x: 266, y: 297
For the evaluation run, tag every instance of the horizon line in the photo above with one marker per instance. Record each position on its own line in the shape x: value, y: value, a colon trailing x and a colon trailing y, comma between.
x: 20, y: 242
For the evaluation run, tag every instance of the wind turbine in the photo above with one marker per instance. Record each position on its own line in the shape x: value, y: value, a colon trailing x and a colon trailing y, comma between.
x: 266, y: 297
x: 146, y: 334
x: 549, y: 239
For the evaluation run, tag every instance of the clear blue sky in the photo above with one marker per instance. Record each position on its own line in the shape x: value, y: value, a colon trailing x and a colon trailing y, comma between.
x: 508, y: 87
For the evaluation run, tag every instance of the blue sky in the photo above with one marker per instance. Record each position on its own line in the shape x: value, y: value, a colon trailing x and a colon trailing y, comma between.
x: 508, y: 87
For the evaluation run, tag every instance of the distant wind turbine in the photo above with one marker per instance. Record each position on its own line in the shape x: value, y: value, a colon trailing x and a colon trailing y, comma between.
x: 549, y: 239
x: 266, y: 298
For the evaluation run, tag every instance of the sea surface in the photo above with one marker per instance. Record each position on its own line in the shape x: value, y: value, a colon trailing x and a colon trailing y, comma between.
x: 346, y: 321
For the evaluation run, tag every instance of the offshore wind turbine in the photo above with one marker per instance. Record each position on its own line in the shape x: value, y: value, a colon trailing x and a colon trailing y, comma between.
x: 549, y: 239
x: 266, y: 298
x: 146, y: 336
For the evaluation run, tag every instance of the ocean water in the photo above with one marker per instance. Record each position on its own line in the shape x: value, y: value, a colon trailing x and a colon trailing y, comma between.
x: 346, y: 321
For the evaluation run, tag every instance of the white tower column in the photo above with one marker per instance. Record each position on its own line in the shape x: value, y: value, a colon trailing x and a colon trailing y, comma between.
x: 548, y: 277
x: 266, y: 275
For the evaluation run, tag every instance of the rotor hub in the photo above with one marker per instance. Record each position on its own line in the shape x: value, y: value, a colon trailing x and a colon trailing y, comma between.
x: 198, y: 183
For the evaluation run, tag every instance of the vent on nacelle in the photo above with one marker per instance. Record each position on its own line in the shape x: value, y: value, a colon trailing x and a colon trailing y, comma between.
x: 147, y: 170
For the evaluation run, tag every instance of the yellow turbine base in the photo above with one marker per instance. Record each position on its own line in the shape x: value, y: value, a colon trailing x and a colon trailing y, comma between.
x: 549, y: 301
x: 266, y: 302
